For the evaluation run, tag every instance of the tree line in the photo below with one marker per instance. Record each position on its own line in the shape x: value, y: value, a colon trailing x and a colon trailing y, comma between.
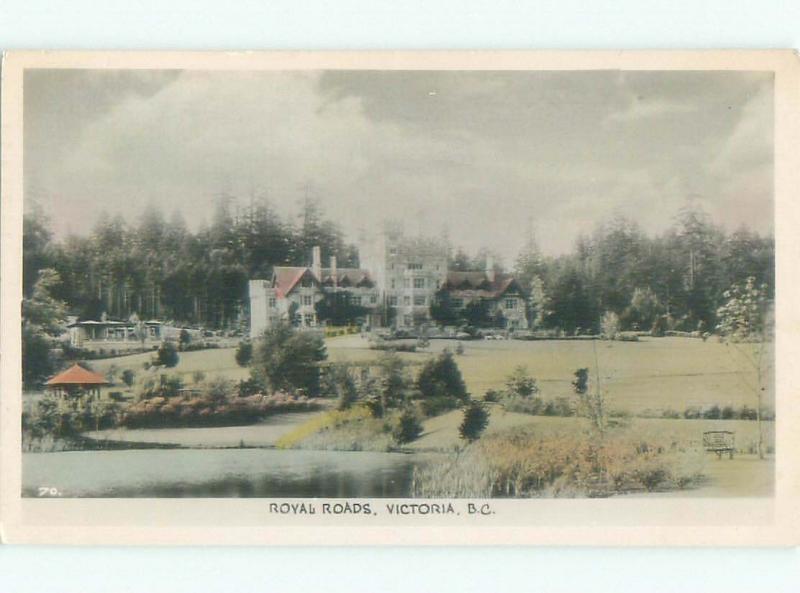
x: 674, y: 281
x: 158, y: 268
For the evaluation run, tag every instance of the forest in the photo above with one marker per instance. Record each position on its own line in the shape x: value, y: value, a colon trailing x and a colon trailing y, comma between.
x: 156, y: 267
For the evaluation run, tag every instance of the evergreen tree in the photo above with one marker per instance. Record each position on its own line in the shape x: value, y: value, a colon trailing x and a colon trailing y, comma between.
x: 474, y: 422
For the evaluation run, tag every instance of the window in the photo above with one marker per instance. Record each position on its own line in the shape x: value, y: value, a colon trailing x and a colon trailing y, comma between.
x: 272, y: 302
x: 511, y: 303
x: 307, y: 300
x: 308, y: 319
x: 406, y: 300
x: 408, y: 320
x: 419, y: 282
x: 406, y: 282
x: 392, y: 301
x: 457, y: 303
x: 393, y: 283
x: 373, y: 299
x: 414, y: 266
x: 419, y: 301
x: 355, y: 300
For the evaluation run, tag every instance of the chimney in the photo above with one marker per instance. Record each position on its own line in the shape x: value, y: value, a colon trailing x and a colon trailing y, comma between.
x: 490, y: 267
x: 333, y: 271
x: 316, y: 263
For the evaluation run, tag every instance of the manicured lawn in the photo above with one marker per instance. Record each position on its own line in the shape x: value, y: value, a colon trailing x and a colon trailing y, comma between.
x: 654, y: 373
x: 214, y: 362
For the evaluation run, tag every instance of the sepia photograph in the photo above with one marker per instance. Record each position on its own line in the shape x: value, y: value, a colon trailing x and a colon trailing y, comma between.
x: 335, y: 286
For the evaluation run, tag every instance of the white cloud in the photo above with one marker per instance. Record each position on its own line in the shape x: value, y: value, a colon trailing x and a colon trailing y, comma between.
x: 548, y: 159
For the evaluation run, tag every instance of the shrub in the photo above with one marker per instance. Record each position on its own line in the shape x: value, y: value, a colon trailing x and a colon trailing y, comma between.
x: 198, y: 377
x: 184, y: 338
x: 728, y: 413
x: 251, y: 386
x: 581, y: 382
x: 492, y: 395
x: 170, y: 385
x: 441, y: 377
x: 288, y: 360
x: 476, y: 419
x: 408, y: 428
x: 651, y: 476
x: 521, y: 383
x: 244, y: 353
x: 459, y: 349
x: 523, y: 405
x: 337, y: 382
x: 712, y: 413
x: 167, y: 355
x: 128, y: 377
x: 558, y: 407
x: 218, y: 389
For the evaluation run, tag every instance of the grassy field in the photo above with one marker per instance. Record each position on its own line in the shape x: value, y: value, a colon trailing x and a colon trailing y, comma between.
x: 441, y: 432
x: 652, y: 374
x: 216, y: 362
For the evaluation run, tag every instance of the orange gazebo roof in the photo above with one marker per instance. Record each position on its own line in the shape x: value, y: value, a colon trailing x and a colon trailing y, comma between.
x: 77, y: 375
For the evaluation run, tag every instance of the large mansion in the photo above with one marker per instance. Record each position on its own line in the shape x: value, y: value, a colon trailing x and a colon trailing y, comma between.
x: 399, y: 275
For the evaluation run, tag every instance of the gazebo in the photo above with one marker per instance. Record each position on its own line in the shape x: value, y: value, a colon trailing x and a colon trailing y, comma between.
x: 75, y: 383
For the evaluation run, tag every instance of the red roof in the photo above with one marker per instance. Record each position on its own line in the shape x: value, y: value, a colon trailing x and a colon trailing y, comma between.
x: 77, y: 375
x: 285, y: 278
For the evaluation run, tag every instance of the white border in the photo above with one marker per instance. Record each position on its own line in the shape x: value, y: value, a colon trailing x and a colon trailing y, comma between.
x: 617, y: 521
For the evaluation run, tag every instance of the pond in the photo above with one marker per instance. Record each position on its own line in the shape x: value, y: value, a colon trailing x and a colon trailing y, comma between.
x: 218, y: 473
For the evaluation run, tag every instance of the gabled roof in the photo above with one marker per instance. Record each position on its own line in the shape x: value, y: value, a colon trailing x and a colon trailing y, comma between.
x: 347, y: 277
x: 285, y: 278
x: 77, y: 375
x: 478, y: 284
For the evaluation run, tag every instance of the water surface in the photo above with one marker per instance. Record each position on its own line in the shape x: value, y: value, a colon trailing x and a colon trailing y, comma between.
x: 218, y: 473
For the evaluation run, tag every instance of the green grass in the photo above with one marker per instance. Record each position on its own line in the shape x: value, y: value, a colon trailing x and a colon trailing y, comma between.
x: 652, y: 374
x: 441, y: 433
x: 216, y: 362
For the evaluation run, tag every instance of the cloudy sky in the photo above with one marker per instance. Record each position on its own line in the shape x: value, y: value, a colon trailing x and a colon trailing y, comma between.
x: 481, y: 153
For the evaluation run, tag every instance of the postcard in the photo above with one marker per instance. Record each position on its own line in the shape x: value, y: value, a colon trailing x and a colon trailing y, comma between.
x: 341, y: 298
